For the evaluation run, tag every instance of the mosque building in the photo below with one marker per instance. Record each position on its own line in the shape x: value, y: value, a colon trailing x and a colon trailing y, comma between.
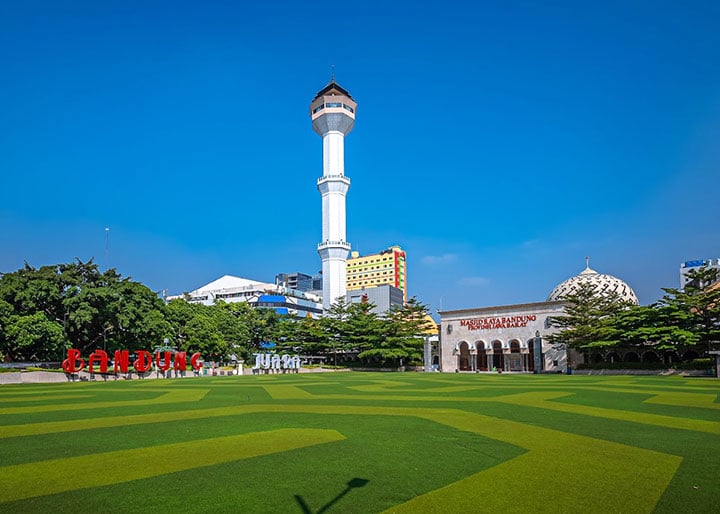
x: 513, y: 338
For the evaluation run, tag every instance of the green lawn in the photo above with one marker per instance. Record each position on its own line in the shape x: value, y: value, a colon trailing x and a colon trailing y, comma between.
x: 363, y: 442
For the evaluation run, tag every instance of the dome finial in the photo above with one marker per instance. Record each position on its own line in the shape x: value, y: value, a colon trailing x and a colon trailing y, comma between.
x: 587, y: 262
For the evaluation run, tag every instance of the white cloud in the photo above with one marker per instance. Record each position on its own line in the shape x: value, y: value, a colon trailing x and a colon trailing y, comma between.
x: 439, y: 259
x: 474, y: 281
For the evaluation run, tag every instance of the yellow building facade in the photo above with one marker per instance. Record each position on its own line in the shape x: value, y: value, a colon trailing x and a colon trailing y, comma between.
x: 386, y: 267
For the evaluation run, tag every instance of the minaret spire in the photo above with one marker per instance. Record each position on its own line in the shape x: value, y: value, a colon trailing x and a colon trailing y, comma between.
x: 332, y: 112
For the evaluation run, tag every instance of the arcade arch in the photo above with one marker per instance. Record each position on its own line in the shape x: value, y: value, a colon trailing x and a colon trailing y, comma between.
x: 482, y: 356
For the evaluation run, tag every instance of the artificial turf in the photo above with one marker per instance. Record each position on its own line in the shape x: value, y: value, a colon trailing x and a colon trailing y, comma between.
x: 363, y: 442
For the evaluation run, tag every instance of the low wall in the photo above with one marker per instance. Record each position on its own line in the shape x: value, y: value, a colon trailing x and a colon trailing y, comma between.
x: 43, y: 377
x: 664, y: 372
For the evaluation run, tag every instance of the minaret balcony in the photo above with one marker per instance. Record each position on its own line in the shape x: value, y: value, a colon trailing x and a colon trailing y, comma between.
x: 333, y: 178
x: 334, y: 244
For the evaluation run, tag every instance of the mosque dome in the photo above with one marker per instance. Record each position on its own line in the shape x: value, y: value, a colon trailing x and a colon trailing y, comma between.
x: 604, y: 284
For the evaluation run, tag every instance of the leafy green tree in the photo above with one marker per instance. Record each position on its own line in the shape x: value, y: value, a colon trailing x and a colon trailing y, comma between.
x: 204, y: 336
x: 691, y: 316
x: 402, y: 342
x: 308, y: 336
x: 34, y: 338
x: 93, y: 309
x: 588, y: 319
x: 682, y: 318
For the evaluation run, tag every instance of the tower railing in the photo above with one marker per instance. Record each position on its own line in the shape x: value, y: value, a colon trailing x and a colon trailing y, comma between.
x: 343, y: 178
x: 328, y: 244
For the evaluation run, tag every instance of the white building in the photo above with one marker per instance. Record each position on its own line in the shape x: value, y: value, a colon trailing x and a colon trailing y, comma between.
x: 502, y: 338
x: 232, y: 289
x: 333, y: 116
x: 513, y: 337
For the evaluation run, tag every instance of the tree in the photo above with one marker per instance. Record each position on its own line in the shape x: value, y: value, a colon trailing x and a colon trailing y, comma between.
x: 691, y: 316
x: 588, y: 319
x: 34, y: 338
x: 402, y: 340
x: 92, y: 310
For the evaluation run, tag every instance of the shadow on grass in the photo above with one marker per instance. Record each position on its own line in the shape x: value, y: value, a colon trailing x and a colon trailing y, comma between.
x: 352, y: 484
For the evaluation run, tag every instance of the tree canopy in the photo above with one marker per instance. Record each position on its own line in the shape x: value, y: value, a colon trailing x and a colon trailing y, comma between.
x: 44, y: 311
x: 688, y: 317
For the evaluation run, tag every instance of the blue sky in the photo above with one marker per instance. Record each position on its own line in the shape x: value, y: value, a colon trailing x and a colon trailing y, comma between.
x: 499, y: 143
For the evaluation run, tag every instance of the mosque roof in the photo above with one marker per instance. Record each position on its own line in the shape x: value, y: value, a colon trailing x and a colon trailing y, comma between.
x: 604, y: 284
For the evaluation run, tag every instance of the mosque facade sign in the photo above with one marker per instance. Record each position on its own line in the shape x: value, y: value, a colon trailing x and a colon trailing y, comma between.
x: 495, y: 322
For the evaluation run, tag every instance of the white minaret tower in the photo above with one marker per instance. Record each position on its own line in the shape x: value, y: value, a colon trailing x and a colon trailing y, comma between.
x: 333, y: 115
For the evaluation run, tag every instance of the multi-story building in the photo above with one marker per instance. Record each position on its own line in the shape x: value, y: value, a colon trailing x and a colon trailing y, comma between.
x: 297, y: 281
x: 687, y: 266
x: 386, y: 267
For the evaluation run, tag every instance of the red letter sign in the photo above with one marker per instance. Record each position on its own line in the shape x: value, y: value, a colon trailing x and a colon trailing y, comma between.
x: 164, y: 364
x: 98, y: 356
x: 196, y: 362
x: 73, y: 359
x: 122, y: 361
x: 180, y: 362
x: 143, y: 362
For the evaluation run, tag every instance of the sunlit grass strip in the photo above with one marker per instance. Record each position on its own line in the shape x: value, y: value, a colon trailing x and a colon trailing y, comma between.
x: 698, y: 400
x: 44, y: 398
x: 542, y: 400
x: 23, y: 481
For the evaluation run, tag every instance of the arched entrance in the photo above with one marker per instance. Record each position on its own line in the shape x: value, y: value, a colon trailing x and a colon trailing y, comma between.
x: 650, y: 356
x: 612, y: 357
x: 515, y: 359
x: 632, y: 357
x: 690, y: 355
x: 531, y: 354
x: 463, y: 356
x: 482, y: 359
x: 498, y: 357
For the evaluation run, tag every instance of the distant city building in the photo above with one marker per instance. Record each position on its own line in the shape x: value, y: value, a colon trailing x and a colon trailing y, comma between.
x: 332, y: 112
x: 687, y: 266
x: 383, y: 297
x: 232, y: 289
x: 386, y: 267
x: 297, y: 281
